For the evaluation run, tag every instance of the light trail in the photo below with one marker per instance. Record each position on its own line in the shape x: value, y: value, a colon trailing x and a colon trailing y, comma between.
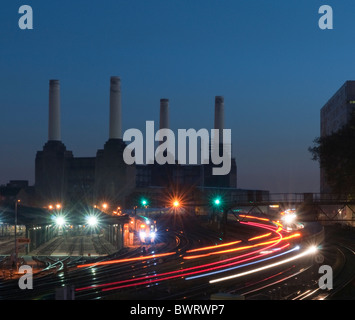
x: 183, y: 275
x: 259, y: 237
x: 295, y: 235
x: 185, y: 270
x: 191, y: 268
x: 102, y: 263
x: 244, y: 265
x: 259, y: 225
x: 214, y: 247
x: 311, y: 250
x: 270, y: 284
x: 252, y: 217
x: 205, y: 269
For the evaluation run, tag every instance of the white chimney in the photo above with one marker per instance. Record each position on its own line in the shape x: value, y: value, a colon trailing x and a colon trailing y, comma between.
x: 54, y: 133
x: 219, y: 113
x: 115, y: 108
x: 164, y: 114
x: 219, y: 116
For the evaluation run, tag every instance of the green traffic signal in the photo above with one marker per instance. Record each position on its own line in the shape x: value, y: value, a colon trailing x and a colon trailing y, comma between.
x: 144, y: 202
x: 217, y: 202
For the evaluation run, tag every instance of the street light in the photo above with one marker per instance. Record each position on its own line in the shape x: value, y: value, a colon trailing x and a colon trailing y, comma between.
x: 60, y: 221
x: 92, y: 221
x: 16, y: 248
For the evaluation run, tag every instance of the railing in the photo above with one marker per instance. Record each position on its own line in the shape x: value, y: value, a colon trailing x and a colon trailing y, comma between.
x: 270, y: 198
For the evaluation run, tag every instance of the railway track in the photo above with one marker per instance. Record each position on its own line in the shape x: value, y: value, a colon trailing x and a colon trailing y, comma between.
x: 342, y: 278
x: 72, y: 246
x: 50, y: 248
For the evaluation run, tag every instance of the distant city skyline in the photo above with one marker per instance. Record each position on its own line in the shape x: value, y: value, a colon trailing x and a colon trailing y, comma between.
x: 272, y: 64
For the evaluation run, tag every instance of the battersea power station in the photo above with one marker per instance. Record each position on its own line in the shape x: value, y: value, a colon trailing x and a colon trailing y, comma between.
x: 60, y: 177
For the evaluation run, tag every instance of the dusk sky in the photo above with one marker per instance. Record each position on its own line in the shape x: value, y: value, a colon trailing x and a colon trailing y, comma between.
x: 269, y: 59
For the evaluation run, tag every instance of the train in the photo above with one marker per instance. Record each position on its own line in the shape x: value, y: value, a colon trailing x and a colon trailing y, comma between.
x: 148, y: 232
x: 145, y: 229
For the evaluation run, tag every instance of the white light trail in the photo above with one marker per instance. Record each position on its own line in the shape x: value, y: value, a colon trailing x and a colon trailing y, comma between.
x: 242, y: 265
x: 310, y: 250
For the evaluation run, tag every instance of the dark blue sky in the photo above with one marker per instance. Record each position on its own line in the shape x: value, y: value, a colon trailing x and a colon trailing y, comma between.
x: 269, y: 59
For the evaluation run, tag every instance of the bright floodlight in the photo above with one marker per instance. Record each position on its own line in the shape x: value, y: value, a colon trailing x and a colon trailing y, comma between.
x: 289, y: 218
x: 176, y: 203
x: 60, y: 221
x: 92, y: 221
x: 313, y: 249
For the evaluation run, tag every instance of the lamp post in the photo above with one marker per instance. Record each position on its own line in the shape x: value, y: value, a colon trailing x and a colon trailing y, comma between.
x: 16, y: 247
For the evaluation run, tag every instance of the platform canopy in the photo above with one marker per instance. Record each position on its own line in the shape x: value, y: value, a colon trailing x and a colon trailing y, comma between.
x: 31, y: 216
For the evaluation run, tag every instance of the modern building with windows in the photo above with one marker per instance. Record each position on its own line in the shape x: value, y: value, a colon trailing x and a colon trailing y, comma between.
x: 334, y: 115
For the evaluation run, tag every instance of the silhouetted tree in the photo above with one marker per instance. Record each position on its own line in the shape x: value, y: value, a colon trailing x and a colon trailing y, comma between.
x: 336, y: 155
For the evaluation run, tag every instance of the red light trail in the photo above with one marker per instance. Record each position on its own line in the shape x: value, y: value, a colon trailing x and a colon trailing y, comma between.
x: 204, y: 268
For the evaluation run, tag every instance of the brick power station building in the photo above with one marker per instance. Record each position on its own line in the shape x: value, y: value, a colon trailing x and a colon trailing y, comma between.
x: 60, y: 177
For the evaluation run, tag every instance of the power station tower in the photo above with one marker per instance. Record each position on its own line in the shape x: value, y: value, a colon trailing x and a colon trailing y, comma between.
x: 114, y: 179
x: 51, y: 163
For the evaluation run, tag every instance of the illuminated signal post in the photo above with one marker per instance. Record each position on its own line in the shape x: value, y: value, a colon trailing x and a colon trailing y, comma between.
x: 216, y: 204
x: 144, y: 203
